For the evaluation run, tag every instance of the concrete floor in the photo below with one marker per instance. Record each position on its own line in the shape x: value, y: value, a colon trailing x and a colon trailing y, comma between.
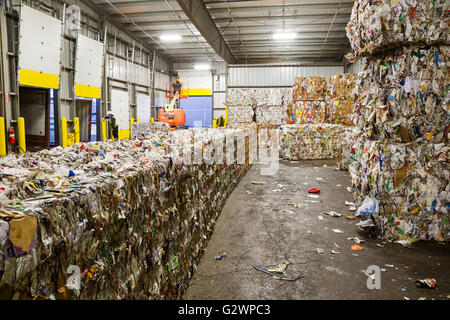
x: 263, y: 229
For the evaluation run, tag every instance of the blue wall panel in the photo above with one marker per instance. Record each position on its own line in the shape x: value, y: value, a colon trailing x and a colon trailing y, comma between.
x: 198, y: 109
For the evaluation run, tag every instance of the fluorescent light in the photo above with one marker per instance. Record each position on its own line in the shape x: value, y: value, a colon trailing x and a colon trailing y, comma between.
x: 202, y: 66
x: 170, y: 37
x: 284, y: 36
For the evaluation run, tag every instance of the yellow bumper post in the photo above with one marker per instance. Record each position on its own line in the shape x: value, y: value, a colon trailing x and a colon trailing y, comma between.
x: 214, y: 123
x: 138, y: 120
x: 21, y: 133
x: 226, y: 116
x: 76, y: 126
x: 2, y: 137
x: 64, y: 132
x: 131, y: 127
x: 104, y: 130
x: 152, y: 119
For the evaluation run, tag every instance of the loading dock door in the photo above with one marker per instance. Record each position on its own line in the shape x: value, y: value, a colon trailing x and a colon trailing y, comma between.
x: 35, y: 109
x: 143, y: 107
x: 120, y: 107
x: 83, y: 112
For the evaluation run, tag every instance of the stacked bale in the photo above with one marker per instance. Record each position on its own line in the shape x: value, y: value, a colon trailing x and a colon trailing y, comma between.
x: 402, y: 116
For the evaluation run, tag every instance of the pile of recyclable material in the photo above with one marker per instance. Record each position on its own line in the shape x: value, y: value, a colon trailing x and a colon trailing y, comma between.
x: 409, y: 183
x: 312, y: 112
x: 310, y: 88
x: 240, y: 114
x: 125, y: 219
x: 400, y: 170
x: 404, y: 95
x: 310, y: 141
x: 379, y: 25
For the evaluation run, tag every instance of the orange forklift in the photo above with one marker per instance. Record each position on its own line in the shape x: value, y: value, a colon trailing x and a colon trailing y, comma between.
x: 171, y: 113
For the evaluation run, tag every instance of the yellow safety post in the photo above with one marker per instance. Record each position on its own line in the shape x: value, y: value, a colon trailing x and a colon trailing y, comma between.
x: 76, y: 126
x: 214, y: 123
x: 226, y: 116
x: 21, y: 129
x: 131, y: 127
x: 138, y: 120
x: 104, y: 132
x: 2, y: 137
x: 152, y: 119
x: 64, y: 132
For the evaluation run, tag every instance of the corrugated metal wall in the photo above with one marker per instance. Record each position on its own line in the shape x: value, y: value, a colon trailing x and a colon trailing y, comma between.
x: 356, y: 67
x: 276, y: 76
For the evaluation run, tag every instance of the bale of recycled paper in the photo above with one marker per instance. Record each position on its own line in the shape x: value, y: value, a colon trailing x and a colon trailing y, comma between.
x: 341, y: 86
x: 411, y: 183
x: 310, y: 141
x: 270, y: 115
x: 310, y: 111
x: 310, y: 88
x: 120, y: 219
x: 240, y: 114
x: 377, y: 26
x: 340, y: 112
x: 403, y: 96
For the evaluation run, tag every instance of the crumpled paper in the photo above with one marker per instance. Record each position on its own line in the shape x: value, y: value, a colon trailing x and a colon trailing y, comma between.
x: 128, y: 214
x: 411, y: 182
x: 313, y: 111
x: 341, y: 86
x: 377, y: 25
x: 310, y: 88
x: 404, y: 96
x: 310, y: 141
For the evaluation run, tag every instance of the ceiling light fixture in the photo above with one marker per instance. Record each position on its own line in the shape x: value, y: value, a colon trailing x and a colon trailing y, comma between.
x: 202, y: 66
x: 170, y: 37
x: 284, y: 36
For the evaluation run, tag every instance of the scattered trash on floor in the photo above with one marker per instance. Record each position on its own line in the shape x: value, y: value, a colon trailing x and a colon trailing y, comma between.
x: 356, y: 239
x: 426, y: 283
x: 352, y: 208
x: 320, y: 218
x: 389, y: 265
x: 337, y: 246
x: 405, y: 243
x: 365, y: 224
x: 309, y: 231
x: 277, y: 276
x: 339, y: 185
x: 422, y: 298
x: 319, y: 179
x: 356, y: 248
x: 349, y: 189
x: 334, y: 252
x: 249, y: 192
x: 337, y: 230
x: 220, y: 255
x: 259, y: 182
x: 404, y: 289
x: 350, y: 217
x: 406, y: 298
x: 280, y: 268
x: 333, y: 214
x: 314, y: 190
x: 348, y: 203
x: 355, y: 254
x: 318, y: 250
x: 315, y: 196
x: 383, y: 270
x: 380, y: 245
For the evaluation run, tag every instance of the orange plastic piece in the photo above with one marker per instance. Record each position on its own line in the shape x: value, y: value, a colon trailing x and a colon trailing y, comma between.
x: 356, y: 248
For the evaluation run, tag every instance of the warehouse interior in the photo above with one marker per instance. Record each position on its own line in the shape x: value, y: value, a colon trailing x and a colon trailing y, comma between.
x: 224, y: 150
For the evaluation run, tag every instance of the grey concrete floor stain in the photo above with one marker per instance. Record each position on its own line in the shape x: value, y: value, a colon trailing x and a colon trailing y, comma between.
x: 265, y: 229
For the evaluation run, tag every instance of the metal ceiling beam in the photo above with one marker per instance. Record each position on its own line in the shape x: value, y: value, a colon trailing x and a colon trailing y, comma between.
x: 307, y: 6
x: 199, y: 16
